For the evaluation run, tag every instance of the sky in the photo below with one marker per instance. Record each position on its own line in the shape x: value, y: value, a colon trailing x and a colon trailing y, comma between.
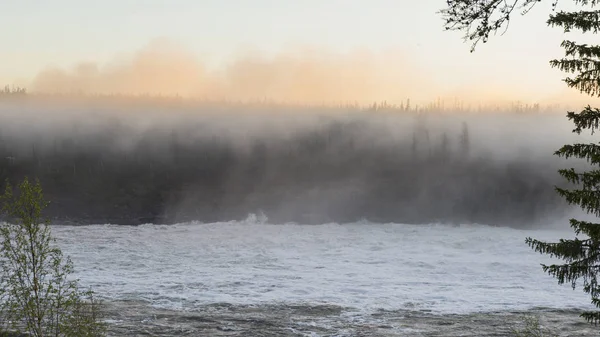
x: 37, y: 35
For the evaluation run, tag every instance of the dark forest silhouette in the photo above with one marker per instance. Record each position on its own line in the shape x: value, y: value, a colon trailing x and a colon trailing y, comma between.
x: 338, y: 169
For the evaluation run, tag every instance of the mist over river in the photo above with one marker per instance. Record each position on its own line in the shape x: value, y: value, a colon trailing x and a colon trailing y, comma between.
x: 267, y: 220
x: 128, y: 161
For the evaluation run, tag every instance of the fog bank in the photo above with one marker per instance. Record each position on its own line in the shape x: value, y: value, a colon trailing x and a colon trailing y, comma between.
x: 135, y: 163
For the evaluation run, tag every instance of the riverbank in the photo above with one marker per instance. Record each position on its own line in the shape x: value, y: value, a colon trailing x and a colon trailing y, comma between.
x: 135, y: 318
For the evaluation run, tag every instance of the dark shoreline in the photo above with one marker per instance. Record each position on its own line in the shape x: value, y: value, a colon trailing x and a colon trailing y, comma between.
x: 136, y: 318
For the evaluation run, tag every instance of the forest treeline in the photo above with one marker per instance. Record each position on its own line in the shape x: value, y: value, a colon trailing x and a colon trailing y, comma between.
x: 13, y: 93
x: 100, y: 165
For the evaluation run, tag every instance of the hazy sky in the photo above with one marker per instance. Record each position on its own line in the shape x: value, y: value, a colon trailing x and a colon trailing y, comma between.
x: 35, y: 34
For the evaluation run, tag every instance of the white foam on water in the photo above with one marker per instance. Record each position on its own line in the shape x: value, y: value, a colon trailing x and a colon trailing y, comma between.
x: 442, y: 268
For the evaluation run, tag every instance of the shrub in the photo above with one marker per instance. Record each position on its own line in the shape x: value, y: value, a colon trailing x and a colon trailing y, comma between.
x: 38, y: 295
x: 532, y: 328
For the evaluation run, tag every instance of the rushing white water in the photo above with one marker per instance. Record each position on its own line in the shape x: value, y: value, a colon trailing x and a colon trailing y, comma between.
x: 446, y: 269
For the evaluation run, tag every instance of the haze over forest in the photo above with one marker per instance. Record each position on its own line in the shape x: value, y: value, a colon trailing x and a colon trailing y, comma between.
x: 401, y: 132
x: 313, y: 76
x: 131, y: 160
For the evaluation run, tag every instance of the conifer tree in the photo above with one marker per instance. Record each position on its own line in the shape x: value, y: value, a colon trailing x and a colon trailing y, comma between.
x: 581, y: 255
x: 465, y: 143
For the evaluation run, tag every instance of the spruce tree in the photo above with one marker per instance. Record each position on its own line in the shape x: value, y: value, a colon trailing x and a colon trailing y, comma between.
x: 478, y: 19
